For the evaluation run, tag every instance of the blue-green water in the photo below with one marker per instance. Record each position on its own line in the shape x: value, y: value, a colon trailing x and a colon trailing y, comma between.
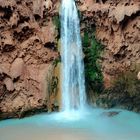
x: 93, y: 125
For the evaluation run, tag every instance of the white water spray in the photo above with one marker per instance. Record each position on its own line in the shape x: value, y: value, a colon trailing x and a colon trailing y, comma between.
x: 73, y: 82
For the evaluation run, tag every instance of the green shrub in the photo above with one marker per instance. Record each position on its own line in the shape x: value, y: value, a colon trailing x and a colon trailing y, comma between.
x: 85, y: 40
x: 56, y: 21
x: 92, y: 49
x: 56, y: 61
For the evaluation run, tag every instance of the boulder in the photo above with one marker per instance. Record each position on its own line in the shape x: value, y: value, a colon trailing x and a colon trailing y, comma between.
x: 17, y: 68
x: 9, y: 84
x: 111, y: 113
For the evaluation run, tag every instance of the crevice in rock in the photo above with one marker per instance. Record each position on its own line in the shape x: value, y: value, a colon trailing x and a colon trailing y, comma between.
x: 50, y: 45
x: 121, y: 54
x: 23, y: 19
x: 37, y: 17
x: 7, y: 12
x: 2, y: 76
x: 24, y: 34
x: 18, y: 2
x: 16, y: 79
x: 126, y: 20
x: 7, y: 48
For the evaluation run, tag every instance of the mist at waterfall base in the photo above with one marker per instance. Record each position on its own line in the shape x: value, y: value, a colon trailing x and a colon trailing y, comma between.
x: 93, y: 125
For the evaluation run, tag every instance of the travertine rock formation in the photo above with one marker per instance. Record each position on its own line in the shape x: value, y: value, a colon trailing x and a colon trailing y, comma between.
x: 117, y: 25
x: 27, y: 52
x: 117, y: 28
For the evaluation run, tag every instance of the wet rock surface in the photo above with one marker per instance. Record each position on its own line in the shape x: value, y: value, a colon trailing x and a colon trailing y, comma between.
x: 111, y: 113
x: 120, y: 101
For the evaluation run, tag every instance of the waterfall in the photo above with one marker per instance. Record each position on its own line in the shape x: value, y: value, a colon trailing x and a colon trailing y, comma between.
x: 72, y: 73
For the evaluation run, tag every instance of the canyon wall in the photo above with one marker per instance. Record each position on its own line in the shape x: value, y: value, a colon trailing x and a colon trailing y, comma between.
x: 28, y: 51
x: 117, y: 28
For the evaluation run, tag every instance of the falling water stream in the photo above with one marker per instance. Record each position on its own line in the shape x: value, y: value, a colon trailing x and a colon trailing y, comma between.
x: 73, y: 82
x: 74, y: 122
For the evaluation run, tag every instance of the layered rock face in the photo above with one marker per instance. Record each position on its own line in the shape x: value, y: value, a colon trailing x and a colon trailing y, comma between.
x: 117, y: 28
x: 28, y: 39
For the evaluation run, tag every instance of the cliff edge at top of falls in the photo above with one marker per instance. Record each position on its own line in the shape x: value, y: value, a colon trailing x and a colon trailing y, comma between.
x: 29, y: 47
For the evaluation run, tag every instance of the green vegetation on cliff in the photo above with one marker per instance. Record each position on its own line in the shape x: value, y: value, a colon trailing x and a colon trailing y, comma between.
x: 92, y: 50
x: 57, y: 23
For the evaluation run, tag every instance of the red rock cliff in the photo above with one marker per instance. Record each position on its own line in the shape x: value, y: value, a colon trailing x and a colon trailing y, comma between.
x: 28, y: 48
x: 117, y: 28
